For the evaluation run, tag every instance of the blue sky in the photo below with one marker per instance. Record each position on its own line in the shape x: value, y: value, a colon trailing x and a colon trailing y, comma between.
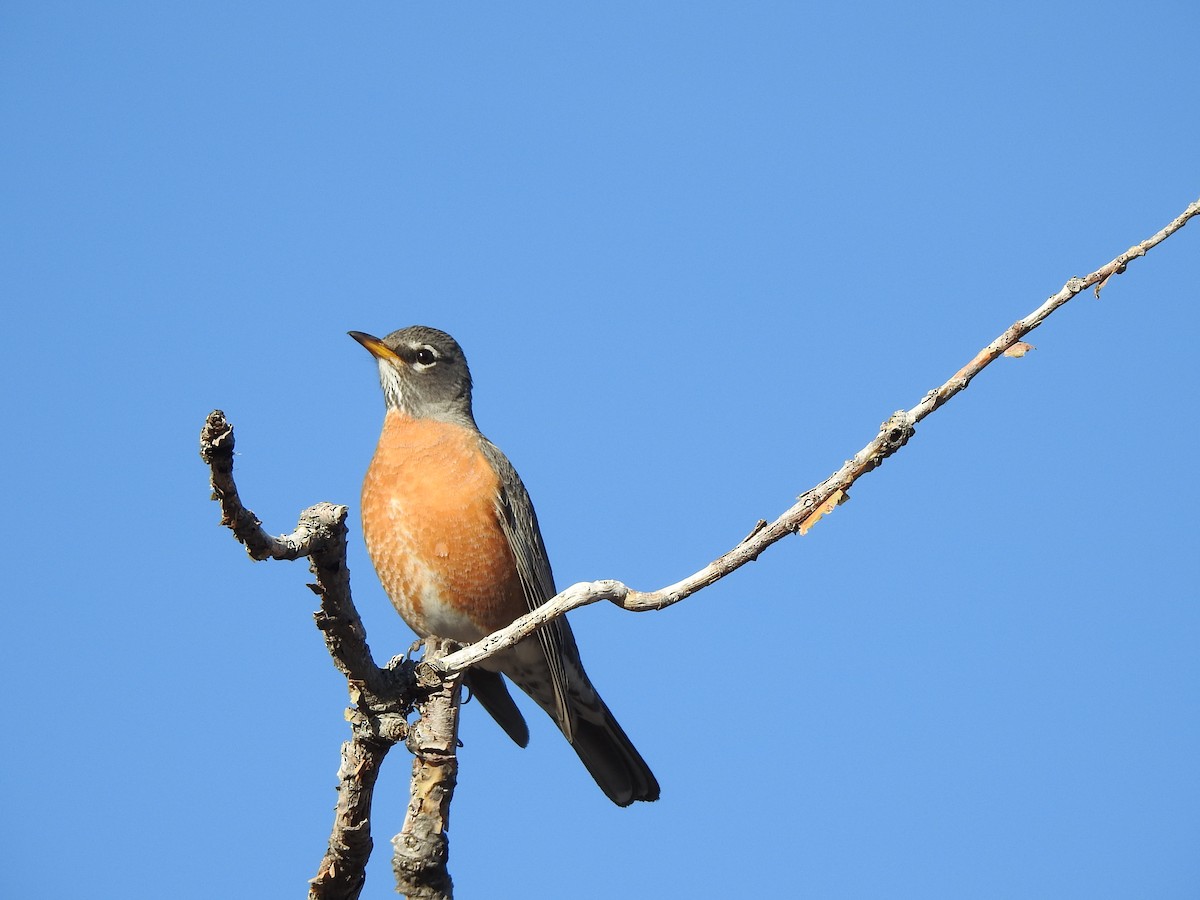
x: 695, y: 252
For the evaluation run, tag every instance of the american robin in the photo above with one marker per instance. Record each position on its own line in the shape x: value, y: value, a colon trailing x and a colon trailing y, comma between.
x: 453, y: 536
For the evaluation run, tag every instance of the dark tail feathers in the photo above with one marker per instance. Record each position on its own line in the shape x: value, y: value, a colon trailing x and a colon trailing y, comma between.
x: 601, y: 743
x: 613, y: 761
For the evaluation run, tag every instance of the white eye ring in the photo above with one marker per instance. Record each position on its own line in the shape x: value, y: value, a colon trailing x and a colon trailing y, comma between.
x: 425, y: 357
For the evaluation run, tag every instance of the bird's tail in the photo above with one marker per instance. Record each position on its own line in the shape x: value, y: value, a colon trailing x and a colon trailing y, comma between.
x: 589, y: 725
x: 610, y: 756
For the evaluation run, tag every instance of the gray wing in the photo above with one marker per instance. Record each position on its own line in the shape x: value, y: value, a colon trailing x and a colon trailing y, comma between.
x: 520, y: 526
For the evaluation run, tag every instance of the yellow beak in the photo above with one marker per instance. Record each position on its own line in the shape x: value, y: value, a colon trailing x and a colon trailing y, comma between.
x: 375, y: 346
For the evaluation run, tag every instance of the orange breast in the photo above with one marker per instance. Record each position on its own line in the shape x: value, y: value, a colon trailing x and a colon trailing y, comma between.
x: 429, y: 519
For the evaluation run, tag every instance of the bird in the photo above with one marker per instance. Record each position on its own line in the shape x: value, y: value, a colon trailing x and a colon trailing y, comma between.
x: 454, y: 539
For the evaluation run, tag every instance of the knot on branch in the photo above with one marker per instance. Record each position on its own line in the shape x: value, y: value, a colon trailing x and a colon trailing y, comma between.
x: 429, y: 674
x: 216, y: 441
x: 894, y: 434
x: 419, y: 862
x: 382, y: 725
x: 327, y: 518
x: 320, y: 534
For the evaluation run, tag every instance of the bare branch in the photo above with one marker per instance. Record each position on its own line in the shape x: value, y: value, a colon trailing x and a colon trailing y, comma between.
x: 320, y: 535
x: 317, y: 524
x: 421, y: 851
x: 1099, y: 278
x: 893, y: 434
x: 342, y: 872
x: 383, y: 698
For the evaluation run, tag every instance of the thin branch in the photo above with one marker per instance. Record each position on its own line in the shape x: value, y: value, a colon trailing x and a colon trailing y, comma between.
x: 814, y: 503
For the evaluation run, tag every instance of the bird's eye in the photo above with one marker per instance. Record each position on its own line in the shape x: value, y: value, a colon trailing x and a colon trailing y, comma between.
x: 425, y: 357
